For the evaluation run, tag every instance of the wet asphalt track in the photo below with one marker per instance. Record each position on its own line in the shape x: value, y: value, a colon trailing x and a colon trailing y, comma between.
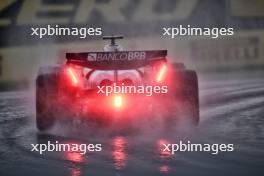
x: 232, y: 111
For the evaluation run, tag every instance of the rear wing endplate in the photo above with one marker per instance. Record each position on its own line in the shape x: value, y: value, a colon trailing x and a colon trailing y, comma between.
x: 116, y: 60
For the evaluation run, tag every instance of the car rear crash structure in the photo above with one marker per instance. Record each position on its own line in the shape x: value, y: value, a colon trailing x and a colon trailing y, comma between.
x: 72, y: 91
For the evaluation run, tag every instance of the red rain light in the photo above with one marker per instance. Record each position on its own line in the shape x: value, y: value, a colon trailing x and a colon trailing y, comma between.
x: 161, y: 73
x: 73, y: 76
x: 118, y: 101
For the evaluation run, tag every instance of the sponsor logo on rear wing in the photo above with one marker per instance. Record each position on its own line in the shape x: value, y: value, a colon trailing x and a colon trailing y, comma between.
x: 117, y: 60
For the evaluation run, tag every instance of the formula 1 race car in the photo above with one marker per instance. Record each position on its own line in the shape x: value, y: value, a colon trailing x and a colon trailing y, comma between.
x: 116, y: 86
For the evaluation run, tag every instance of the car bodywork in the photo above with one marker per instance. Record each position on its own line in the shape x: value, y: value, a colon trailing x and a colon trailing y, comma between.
x: 74, y: 87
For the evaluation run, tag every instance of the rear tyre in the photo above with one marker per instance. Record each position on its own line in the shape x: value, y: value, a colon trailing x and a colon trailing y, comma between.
x: 186, y: 96
x: 46, y: 96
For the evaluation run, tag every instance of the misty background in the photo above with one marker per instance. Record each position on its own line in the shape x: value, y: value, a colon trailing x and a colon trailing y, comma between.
x: 140, y: 22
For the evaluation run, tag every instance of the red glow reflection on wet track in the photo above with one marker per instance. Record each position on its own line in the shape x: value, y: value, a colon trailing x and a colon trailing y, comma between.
x: 119, y: 152
x: 75, y: 157
x: 163, y: 155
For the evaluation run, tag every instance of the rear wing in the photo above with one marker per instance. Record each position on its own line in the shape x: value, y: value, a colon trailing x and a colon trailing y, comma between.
x: 119, y: 60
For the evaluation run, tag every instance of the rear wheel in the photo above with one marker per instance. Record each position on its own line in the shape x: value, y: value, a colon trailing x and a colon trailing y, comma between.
x: 185, y: 96
x: 46, y: 96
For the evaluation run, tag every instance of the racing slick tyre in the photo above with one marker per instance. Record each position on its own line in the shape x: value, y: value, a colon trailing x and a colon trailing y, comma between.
x: 46, y: 95
x: 186, y: 96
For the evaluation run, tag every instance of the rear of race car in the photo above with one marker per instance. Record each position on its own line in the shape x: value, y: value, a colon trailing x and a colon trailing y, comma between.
x: 106, y: 87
